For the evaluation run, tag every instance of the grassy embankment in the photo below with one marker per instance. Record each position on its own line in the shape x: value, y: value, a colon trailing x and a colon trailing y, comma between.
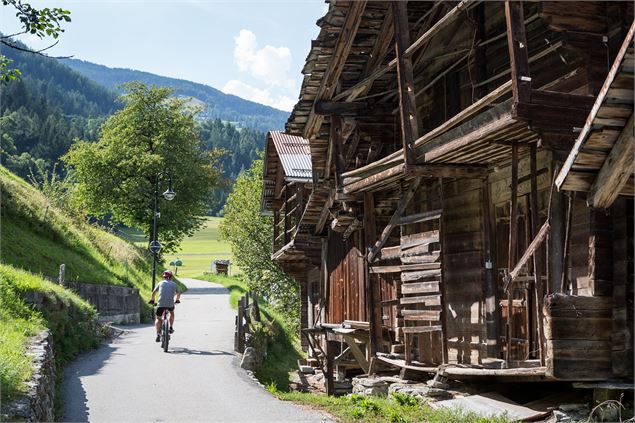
x: 36, y: 238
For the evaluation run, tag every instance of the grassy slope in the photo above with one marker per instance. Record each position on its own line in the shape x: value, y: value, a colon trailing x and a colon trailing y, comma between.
x: 67, y: 316
x: 38, y: 237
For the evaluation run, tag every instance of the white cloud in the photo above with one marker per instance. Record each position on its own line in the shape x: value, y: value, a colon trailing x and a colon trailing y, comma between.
x: 269, y: 65
x: 262, y: 96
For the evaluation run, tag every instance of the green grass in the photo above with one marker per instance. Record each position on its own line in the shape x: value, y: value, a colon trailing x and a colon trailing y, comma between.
x: 68, y: 317
x: 402, y: 408
x: 38, y: 237
x: 196, y: 252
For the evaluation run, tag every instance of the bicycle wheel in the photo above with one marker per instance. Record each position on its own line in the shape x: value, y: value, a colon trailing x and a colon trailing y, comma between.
x: 166, y: 334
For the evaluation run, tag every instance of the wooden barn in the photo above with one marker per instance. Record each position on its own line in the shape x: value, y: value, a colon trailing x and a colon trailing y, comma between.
x: 469, y: 206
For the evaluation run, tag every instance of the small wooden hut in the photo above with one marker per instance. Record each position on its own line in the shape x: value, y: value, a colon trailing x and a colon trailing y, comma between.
x: 471, y: 194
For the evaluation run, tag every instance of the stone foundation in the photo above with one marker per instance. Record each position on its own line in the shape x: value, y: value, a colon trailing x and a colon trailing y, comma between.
x: 36, y: 404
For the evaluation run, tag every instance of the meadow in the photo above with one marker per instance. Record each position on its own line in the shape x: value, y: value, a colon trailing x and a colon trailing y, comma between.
x: 196, y: 252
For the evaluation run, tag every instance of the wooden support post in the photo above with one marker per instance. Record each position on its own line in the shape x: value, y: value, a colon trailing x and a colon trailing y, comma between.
x: 491, y: 315
x: 513, y: 248
x: 518, y: 56
x: 407, y: 104
x: 538, y: 255
x: 286, y: 213
x: 338, y: 156
x: 556, y: 239
x: 276, y: 228
x: 370, y: 236
x: 330, y: 356
x: 240, y: 326
x: 480, y: 56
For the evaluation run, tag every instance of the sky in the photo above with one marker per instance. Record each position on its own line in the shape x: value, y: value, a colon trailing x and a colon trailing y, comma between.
x: 250, y: 48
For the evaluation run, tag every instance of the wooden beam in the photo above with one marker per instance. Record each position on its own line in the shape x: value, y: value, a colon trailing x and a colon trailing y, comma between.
x: 538, y: 258
x: 405, y: 78
x: 517, y: 45
x: 491, y: 288
x: 447, y: 170
x: 616, y: 170
x: 419, y: 217
x: 582, y: 137
x: 403, y: 202
x: 513, y: 238
x: 324, y: 214
x: 372, y: 313
x: 336, y: 140
x: 336, y: 66
x: 357, y: 353
x: 531, y: 250
x: 340, y: 108
x: 414, y: 47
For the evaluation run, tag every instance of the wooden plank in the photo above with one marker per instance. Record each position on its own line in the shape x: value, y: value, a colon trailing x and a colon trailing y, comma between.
x: 517, y: 45
x: 406, y: 87
x: 408, y: 267
x: 580, y: 141
x: 616, y: 170
x: 357, y: 353
x: 414, y: 240
x: 415, y: 276
x: 538, y: 259
x: 333, y: 71
x: 420, y: 287
x: 422, y: 329
x: 535, y: 244
x: 419, y: 217
x: 338, y: 156
x: 428, y: 300
x: 390, y: 252
x: 403, y: 202
x: 421, y: 258
x: 422, y: 314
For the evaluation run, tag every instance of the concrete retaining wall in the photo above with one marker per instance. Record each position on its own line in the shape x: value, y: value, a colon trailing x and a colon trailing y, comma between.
x: 36, y: 405
x: 115, y: 304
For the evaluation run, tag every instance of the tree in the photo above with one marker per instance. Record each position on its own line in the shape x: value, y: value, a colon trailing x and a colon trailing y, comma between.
x: 46, y: 22
x: 117, y: 175
x: 250, y: 234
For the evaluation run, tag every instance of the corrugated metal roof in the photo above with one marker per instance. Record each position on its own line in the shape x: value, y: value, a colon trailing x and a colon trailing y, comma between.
x: 294, y: 153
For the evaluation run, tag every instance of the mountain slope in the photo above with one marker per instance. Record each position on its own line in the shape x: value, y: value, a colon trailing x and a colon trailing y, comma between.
x: 217, y: 104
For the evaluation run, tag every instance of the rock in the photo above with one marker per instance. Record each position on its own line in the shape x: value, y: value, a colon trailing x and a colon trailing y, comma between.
x: 573, y: 407
x: 250, y: 359
x: 420, y: 390
x: 438, y: 382
x: 368, y: 386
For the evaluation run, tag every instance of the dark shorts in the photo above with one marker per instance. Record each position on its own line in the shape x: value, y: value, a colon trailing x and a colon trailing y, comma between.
x: 160, y: 310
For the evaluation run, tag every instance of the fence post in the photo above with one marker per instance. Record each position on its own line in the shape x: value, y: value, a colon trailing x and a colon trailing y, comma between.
x: 240, y: 326
x: 60, y: 278
x: 254, y: 301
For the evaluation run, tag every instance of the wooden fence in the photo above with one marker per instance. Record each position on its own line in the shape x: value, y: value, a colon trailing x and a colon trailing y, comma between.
x: 246, y: 312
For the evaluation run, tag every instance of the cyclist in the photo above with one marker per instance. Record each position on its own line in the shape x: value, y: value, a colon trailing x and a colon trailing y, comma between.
x: 168, y: 295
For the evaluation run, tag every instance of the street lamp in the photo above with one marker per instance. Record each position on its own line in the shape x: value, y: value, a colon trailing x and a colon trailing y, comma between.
x: 155, y: 246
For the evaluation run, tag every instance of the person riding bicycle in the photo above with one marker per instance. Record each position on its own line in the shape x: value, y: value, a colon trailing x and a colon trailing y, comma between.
x: 169, y: 294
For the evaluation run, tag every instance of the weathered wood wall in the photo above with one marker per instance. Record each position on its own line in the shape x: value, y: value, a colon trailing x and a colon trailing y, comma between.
x: 345, y: 266
x: 463, y: 270
x: 578, y: 333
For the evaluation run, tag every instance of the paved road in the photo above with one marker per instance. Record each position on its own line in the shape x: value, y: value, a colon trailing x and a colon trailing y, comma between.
x: 132, y: 380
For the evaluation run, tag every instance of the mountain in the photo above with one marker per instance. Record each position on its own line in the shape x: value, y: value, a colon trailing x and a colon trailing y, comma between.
x: 218, y: 105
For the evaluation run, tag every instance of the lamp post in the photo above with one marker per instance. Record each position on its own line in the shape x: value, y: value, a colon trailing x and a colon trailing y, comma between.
x: 155, y: 246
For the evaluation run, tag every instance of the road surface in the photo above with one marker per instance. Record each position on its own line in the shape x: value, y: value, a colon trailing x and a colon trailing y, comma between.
x: 131, y: 379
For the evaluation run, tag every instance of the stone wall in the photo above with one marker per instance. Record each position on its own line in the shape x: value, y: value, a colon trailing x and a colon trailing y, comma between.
x: 115, y: 304
x: 36, y: 404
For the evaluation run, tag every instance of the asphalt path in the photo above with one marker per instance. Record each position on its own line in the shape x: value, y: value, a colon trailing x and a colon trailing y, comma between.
x: 131, y: 379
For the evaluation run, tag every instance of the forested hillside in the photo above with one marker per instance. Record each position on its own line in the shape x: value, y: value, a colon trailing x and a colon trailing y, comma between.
x: 52, y: 105
x: 46, y: 109
x: 217, y: 105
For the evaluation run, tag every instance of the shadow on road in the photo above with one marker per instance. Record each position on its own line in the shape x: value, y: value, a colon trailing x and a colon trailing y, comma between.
x: 181, y: 350
x: 207, y: 291
x: 74, y: 397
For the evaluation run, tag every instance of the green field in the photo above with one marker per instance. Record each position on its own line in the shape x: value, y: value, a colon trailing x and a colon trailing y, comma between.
x: 197, y: 251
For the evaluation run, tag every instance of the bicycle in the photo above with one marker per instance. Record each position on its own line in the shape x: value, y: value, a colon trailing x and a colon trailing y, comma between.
x: 165, y: 328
